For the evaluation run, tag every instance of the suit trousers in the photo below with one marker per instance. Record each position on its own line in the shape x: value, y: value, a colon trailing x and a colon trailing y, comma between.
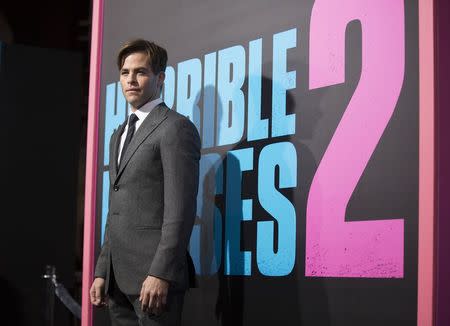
x: 125, y: 310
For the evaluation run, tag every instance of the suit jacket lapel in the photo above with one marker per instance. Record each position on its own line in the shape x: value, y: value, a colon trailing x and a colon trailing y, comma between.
x: 151, y: 122
x: 115, y: 153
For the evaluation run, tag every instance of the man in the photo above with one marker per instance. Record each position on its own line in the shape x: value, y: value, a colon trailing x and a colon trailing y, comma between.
x: 144, y: 269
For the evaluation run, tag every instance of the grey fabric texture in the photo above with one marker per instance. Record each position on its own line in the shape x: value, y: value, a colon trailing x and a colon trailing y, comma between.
x: 125, y: 310
x: 130, y: 313
x: 152, y: 203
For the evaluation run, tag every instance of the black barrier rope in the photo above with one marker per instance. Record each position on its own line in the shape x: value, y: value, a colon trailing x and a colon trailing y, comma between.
x: 52, y: 288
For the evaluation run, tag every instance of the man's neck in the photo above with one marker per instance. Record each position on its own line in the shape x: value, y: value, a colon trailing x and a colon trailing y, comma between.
x: 134, y: 109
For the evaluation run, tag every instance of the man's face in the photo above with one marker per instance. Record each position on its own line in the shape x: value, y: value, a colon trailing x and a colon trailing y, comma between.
x: 139, y: 83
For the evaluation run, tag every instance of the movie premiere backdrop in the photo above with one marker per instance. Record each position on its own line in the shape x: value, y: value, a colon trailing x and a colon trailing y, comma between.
x: 308, y: 203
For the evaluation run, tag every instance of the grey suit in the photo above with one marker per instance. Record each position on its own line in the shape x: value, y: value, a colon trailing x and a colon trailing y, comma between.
x: 152, y: 203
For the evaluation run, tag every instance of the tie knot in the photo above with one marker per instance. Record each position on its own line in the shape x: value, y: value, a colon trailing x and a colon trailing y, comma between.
x: 133, y: 119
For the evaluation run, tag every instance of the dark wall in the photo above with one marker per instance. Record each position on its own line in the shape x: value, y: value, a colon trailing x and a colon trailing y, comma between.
x: 47, y: 23
x: 40, y: 106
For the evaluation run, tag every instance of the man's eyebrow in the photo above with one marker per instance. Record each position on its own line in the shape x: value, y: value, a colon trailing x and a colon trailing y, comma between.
x: 136, y: 68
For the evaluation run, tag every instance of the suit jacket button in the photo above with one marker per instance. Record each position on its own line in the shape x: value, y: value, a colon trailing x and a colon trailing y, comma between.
x: 116, y: 188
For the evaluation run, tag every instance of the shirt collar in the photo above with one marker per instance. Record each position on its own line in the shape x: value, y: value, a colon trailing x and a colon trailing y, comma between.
x: 144, y: 110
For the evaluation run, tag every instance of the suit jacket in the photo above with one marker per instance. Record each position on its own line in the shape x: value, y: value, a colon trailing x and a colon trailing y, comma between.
x: 152, y: 203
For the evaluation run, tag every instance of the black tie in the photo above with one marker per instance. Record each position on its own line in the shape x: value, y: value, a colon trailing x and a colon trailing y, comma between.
x: 131, y: 128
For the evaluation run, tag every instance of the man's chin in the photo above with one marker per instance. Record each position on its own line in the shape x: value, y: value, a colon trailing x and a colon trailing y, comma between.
x: 135, y: 103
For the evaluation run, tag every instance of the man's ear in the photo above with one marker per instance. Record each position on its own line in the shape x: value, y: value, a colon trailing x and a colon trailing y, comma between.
x: 161, y: 78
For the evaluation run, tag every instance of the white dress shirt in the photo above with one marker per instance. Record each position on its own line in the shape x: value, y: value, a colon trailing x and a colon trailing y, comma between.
x: 141, y: 113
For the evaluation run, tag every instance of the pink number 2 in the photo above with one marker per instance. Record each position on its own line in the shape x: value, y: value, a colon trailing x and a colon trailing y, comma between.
x: 335, y: 247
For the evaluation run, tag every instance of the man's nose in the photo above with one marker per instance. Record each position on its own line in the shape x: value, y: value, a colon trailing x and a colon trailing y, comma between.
x: 131, y: 78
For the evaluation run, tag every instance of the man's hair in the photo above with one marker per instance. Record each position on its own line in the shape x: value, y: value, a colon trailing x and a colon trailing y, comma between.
x: 157, y: 56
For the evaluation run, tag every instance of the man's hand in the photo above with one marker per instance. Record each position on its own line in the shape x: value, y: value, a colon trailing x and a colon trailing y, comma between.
x: 97, y: 292
x: 154, y: 294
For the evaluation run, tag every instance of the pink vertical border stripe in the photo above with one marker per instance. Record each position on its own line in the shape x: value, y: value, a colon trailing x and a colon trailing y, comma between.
x: 426, y: 255
x: 442, y: 79
x: 91, y: 160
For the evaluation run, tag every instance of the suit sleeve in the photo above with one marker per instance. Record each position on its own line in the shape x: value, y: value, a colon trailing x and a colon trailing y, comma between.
x: 102, y: 261
x: 180, y: 155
